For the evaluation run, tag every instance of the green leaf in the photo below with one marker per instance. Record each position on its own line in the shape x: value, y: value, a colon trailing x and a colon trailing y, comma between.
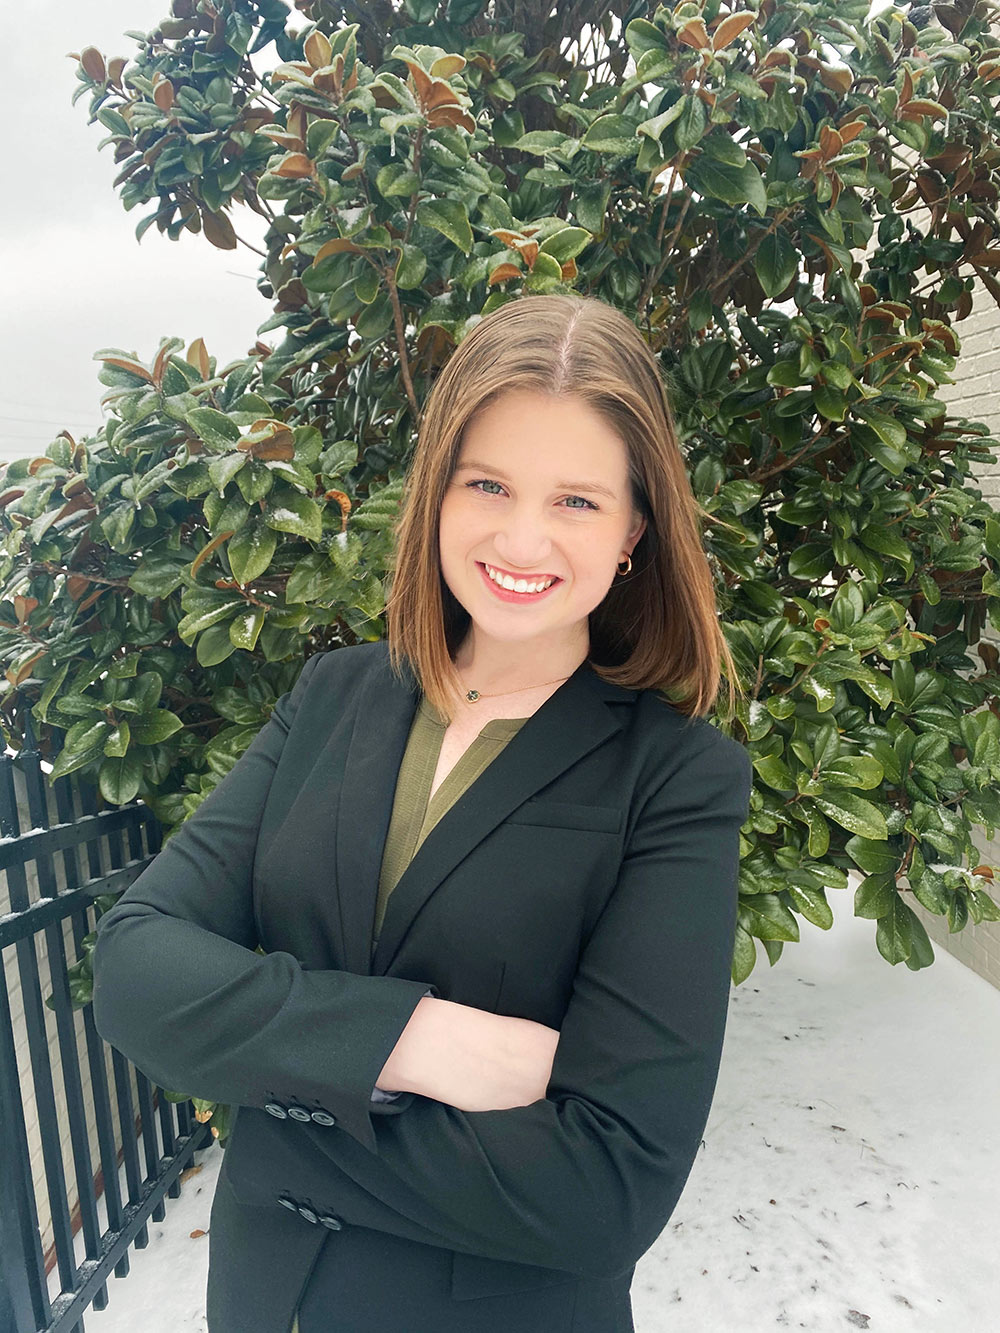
x: 196, y: 622
x: 119, y: 779
x: 837, y: 374
x: 68, y: 761
x: 49, y: 691
x: 448, y: 217
x: 374, y: 321
x: 893, y: 460
x: 225, y: 467
x: 213, y: 428
x: 719, y: 145
x: 733, y: 185
x: 116, y: 744
x: 654, y: 127
x: 894, y: 933
x: 366, y: 285
x: 830, y: 402
x: 921, y: 949
x: 643, y: 36
x: 591, y: 205
x: 812, y: 560
x: 957, y: 913
x: 984, y: 904
x: 819, y: 830
x: 565, y: 244
x: 875, y: 895
x: 812, y: 904
x: 775, y: 772
x: 244, y: 628
x: 887, y: 541
x: 767, y: 917
x: 785, y: 374
x: 153, y: 727
x: 541, y: 142
x: 853, y: 813
x: 888, y: 429
x: 411, y: 267
x: 930, y: 891
x: 856, y: 770
x: 611, y: 134
x: 873, y: 857
x: 397, y: 180
x: 286, y: 510
x: 156, y: 576
x: 691, y: 122
x: 250, y: 551
x: 214, y: 646
x: 117, y: 523
x: 114, y: 121
x: 776, y: 261
x: 744, y: 955
x: 73, y: 704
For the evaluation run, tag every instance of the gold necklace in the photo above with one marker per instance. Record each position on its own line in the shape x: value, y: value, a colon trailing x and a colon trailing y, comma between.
x: 473, y: 695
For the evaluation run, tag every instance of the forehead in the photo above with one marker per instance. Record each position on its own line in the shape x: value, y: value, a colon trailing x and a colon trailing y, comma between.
x: 528, y: 426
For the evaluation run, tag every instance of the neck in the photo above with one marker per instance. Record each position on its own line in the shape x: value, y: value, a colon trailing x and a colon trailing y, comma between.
x: 493, y: 666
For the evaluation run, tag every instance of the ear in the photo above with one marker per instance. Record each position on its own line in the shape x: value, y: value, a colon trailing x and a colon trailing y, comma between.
x: 638, y: 528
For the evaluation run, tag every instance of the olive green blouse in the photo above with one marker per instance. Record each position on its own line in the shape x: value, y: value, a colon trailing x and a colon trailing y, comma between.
x: 413, y: 814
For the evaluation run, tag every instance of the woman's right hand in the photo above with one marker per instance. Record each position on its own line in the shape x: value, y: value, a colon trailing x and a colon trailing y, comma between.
x: 471, y: 1059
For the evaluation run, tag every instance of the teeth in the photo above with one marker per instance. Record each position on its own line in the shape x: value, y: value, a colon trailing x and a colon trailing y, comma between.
x: 517, y: 585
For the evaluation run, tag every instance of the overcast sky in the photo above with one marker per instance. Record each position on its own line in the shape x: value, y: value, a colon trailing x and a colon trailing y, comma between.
x: 76, y: 278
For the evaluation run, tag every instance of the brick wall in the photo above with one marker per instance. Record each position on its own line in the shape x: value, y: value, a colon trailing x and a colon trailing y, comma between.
x: 976, y: 395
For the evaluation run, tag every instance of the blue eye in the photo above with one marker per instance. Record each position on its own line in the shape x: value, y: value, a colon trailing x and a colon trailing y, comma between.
x: 488, y: 481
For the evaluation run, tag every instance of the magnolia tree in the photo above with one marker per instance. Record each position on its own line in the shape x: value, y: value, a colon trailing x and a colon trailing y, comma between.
x: 793, y: 202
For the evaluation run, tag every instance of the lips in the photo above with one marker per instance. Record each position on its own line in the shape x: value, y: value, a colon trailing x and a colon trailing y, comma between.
x: 508, y: 595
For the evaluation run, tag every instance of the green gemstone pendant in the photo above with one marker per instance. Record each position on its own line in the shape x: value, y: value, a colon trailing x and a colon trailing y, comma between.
x: 472, y: 696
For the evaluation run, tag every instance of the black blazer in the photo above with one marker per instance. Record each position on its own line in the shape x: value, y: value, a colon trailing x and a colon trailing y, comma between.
x: 586, y: 880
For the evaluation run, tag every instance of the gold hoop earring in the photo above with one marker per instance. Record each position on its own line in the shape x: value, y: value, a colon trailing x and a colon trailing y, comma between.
x: 628, y: 566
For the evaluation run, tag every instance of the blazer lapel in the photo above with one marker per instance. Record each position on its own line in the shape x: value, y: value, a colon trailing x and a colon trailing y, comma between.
x: 572, y: 722
x: 381, y: 728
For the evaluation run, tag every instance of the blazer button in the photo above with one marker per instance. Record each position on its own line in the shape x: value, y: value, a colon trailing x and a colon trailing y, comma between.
x: 322, y: 1117
x: 328, y: 1220
x: 287, y: 1201
x: 307, y: 1213
x: 277, y: 1110
x: 299, y: 1112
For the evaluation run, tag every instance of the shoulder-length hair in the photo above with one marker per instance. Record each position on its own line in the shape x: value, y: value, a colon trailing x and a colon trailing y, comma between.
x: 658, y: 626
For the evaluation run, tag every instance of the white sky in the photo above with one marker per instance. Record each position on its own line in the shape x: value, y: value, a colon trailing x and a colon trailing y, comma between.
x: 76, y: 279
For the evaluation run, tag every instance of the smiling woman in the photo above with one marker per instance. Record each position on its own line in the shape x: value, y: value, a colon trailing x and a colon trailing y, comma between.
x: 520, y: 537
x: 492, y: 871
x: 548, y: 449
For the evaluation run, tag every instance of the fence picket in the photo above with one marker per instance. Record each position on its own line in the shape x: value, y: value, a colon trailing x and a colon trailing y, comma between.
x: 49, y: 876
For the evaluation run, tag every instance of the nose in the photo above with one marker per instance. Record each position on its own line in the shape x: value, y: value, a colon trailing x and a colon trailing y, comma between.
x: 522, y: 541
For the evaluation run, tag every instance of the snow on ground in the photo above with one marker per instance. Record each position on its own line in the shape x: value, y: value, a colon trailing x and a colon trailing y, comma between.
x: 849, y: 1175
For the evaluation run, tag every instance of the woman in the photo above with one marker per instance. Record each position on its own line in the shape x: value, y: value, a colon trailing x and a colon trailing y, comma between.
x: 494, y: 871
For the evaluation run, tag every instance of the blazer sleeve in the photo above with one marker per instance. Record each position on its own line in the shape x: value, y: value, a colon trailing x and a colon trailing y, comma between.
x: 181, y: 991
x: 585, y: 1179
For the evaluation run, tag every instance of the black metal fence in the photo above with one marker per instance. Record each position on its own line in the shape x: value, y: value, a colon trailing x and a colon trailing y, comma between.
x: 59, y: 1109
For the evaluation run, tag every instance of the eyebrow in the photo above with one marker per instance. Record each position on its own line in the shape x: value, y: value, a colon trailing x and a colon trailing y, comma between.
x: 472, y: 465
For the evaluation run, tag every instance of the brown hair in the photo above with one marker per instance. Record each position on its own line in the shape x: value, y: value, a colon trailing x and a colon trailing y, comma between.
x: 658, y: 626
